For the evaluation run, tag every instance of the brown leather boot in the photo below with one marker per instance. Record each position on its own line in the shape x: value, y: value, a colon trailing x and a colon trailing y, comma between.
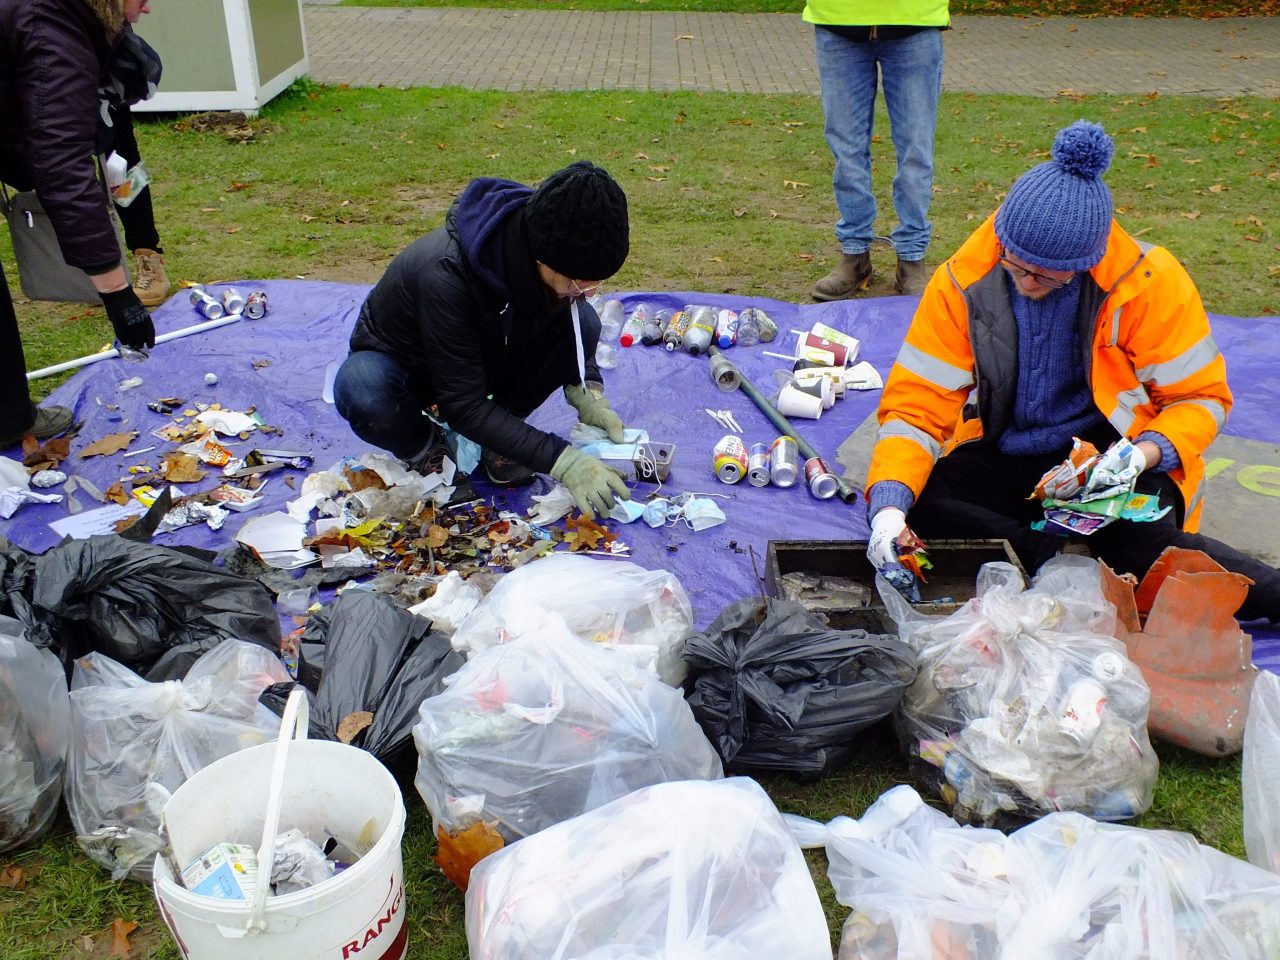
x: 911, y: 277
x: 151, y: 281
x: 852, y: 273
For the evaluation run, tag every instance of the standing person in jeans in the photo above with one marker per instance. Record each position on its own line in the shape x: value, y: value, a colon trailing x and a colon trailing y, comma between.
x: 899, y: 43
x: 54, y: 57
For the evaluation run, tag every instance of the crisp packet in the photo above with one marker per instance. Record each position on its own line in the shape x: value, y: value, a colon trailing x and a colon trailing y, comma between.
x: 1067, y: 479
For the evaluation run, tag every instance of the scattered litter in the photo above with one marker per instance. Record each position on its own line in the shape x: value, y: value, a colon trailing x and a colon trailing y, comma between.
x: 299, y: 863
x: 1260, y: 773
x: 229, y: 423
x: 210, y: 378
x: 12, y: 498
x: 226, y: 871
x: 134, y: 453
x: 451, y: 604
x: 129, y: 384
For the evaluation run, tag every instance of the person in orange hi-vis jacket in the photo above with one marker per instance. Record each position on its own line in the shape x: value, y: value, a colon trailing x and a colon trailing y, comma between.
x: 1051, y: 322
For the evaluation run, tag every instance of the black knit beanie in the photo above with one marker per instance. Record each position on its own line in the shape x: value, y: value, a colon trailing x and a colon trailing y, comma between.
x: 577, y: 223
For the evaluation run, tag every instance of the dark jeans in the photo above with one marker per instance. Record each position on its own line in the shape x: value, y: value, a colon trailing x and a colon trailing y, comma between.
x: 978, y: 492
x: 16, y: 411
x: 138, y: 218
x: 378, y: 398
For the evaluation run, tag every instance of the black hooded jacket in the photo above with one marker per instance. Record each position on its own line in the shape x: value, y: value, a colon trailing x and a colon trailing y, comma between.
x: 464, y: 311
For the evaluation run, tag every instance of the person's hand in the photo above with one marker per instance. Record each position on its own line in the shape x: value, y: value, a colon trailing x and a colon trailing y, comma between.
x: 1118, y: 466
x: 593, y: 485
x: 594, y: 411
x: 886, y: 526
x: 129, y: 318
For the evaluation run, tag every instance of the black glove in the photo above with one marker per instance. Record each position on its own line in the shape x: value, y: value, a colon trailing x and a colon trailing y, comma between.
x: 129, y: 318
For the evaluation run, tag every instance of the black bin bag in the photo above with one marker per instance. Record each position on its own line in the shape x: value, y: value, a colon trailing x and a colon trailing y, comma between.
x: 776, y: 689
x: 380, y: 660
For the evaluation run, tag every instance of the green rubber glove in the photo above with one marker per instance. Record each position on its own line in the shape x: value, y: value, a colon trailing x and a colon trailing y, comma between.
x: 593, y: 485
x: 594, y: 411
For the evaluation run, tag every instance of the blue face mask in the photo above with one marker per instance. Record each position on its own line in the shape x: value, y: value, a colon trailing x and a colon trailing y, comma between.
x: 701, y: 513
x: 627, y: 511
x: 656, y: 511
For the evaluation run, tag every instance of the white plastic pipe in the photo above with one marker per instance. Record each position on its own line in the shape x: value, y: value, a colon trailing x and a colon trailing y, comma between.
x: 113, y: 352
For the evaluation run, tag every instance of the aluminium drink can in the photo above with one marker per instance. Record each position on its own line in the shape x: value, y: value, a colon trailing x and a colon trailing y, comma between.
x: 758, y: 465
x: 784, y: 462
x: 730, y: 459
x: 210, y: 308
x: 822, y: 482
x: 232, y: 300
x: 255, y: 305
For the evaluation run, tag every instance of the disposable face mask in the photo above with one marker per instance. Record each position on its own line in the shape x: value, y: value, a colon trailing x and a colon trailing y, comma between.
x: 627, y: 511
x: 701, y: 513
x: 655, y: 512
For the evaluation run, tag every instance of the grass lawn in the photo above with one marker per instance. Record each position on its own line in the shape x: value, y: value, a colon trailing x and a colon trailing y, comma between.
x: 1013, y: 8
x: 728, y: 193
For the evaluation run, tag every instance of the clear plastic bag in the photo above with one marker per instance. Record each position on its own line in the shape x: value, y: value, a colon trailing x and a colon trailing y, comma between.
x: 543, y: 728
x: 133, y: 743
x: 1260, y: 773
x: 1025, y: 703
x: 1065, y: 887
x: 603, y: 601
x: 677, y: 870
x: 35, y: 725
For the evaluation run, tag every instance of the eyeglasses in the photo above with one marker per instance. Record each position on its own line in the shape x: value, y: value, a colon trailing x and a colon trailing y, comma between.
x: 1052, y: 282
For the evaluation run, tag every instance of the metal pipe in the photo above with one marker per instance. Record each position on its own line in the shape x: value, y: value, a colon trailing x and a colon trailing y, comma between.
x: 848, y: 492
x: 113, y: 352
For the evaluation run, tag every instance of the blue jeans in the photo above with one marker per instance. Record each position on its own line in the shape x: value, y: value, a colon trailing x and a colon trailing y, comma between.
x: 376, y: 396
x: 911, y: 70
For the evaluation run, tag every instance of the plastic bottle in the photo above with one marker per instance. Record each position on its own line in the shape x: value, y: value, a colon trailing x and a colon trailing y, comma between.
x: 726, y: 328
x: 755, y: 326
x: 655, y: 327
x: 611, y: 318
x: 679, y: 323
x: 701, y: 331
x: 635, y: 323
x: 606, y: 355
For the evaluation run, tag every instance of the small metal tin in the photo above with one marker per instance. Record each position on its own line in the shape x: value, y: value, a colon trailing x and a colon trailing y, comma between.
x: 758, y: 465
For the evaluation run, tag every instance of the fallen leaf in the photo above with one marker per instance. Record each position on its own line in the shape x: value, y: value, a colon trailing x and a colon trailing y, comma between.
x: 181, y: 468
x: 111, y: 443
x: 1192, y: 214
x: 364, y: 480
x: 237, y: 185
x: 437, y: 536
x: 233, y: 229
x: 120, y: 930
x: 1218, y: 188
x: 586, y: 533
x: 500, y: 532
x: 307, y: 218
x: 48, y: 454
x: 459, y: 852
x: 116, y: 494
x: 739, y: 212
x: 1252, y: 239
x: 13, y: 877
x: 350, y: 726
x: 794, y: 184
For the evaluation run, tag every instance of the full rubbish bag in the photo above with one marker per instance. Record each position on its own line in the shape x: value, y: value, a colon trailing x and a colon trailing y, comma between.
x: 675, y: 870
x: 1025, y: 702
x: 923, y: 888
x: 619, y: 603
x: 775, y: 689
x: 35, y: 727
x: 541, y: 729
x: 133, y: 743
x: 380, y: 663
x: 1260, y: 774
x: 153, y: 609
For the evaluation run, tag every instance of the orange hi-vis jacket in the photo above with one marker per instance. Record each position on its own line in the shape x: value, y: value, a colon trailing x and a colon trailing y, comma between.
x: 1149, y: 357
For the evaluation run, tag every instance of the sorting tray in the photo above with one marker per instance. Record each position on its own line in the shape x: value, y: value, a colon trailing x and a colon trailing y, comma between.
x: 857, y: 605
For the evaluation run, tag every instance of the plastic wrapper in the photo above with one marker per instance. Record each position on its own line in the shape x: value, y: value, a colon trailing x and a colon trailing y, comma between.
x: 35, y: 725
x: 1064, y: 887
x: 1260, y: 773
x: 676, y: 870
x: 138, y: 603
x: 299, y: 863
x: 1025, y: 702
x: 775, y: 688
x: 380, y: 663
x: 133, y: 743
x: 604, y: 601
x: 541, y: 729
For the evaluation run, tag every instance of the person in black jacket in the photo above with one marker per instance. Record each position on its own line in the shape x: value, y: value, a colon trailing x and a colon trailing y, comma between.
x: 54, y: 55
x: 485, y: 317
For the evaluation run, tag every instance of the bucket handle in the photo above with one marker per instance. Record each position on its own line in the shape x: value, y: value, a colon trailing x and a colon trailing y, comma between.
x: 295, y: 718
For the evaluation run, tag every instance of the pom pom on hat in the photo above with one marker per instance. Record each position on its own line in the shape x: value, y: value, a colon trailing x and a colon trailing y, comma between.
x: 577, y: 223
x: 1058, y: 214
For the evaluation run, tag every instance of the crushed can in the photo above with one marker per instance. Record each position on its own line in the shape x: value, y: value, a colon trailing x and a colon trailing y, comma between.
x: 255, y: 305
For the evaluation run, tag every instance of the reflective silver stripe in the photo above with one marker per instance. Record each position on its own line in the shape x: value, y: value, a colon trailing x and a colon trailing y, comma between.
x: 899, y: 428
x: 1214, y: 408
x: 1127, y: 401
x: 1192, y: 360
x: 1115, y: 325
x: 936, y: 371
x: 1196, y: 498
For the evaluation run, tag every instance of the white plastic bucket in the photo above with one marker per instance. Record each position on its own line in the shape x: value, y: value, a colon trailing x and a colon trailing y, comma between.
x: 313, y: 785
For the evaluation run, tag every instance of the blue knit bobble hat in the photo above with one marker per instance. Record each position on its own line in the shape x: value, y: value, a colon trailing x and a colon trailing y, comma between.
x: 1058, y: 214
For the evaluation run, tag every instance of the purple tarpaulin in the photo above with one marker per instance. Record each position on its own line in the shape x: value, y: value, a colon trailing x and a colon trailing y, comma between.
x: 665, y: 393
